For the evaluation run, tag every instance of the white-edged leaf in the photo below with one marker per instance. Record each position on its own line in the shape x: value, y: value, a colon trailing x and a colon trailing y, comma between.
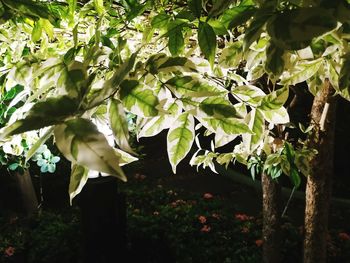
x: 248, y: 93
x: 180, y: 139
x: 302, y: 71
x: 78, y: 179
x: 279, y: 116
x: 275, y: 99
x: 257, y: 125
x: 226, y: 126
x: 138, y: 99
x: 157, y: 124
x: 221, y: 140
x: 125, y: 157
x: 80, y: 142
x: 190, y: 86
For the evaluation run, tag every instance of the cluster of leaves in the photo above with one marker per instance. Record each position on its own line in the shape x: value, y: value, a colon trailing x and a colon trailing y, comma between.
x: 85, y: 67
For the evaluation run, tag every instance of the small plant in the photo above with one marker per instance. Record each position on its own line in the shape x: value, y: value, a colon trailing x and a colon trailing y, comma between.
x: 45, y: 159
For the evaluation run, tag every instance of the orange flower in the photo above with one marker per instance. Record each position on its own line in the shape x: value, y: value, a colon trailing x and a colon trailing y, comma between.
x: 208, y: 196
x: 259, y: 242
x: 202, y: 219
x: 344, y: 236
x: 242, y: 217
x: 10, y: 251
x: 205, y: 229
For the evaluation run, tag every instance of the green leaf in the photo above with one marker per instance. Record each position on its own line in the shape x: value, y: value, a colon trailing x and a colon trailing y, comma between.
x: 218, y: 7
x: 294, y: 29
x: 160, y: 21
x: 195, y: 7
x: 81, y: 143
x: 344, y: 76
x: 13, y: 166
x: 188, y: 86
x: 254, y: 30
x: 275, y: 99
x: 78, y: 179
x: 302, y: 71
x: 180, y: 139
x: 207, y: 41
x: 176, y: 42
x: 137, y: 99
x: 274, y: 60
x: 37, y: 30
x: 99, y: 6
x: 218, y: 106
x: 110, y: 87
x: 119, y: 125
x: 42, y: 114
x: 39, y: 143
x: 237, y: 15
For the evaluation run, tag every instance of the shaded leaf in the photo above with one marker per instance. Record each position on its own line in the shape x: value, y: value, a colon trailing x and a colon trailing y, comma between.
x: 119, y: 125
x: 42, y: 114
x: 207, y: 41
x: 294, y: 29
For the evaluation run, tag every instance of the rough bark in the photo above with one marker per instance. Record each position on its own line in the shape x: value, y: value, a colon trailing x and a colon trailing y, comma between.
x: 271, y: 219
x: 25, y: 186
x: 319, y: 182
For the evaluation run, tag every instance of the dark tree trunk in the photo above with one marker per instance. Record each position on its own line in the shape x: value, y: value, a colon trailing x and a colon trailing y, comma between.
x: 103, y: 216
x: 26, y: 189
x: 271, y: 219
x: 318, y: 188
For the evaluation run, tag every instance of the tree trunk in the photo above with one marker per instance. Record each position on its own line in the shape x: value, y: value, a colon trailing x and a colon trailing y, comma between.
x: 28, y: 195
x: 318, y: 188
x: 271, y: 220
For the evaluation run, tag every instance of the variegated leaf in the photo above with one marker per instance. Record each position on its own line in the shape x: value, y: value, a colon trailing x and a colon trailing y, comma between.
x: 180, y: 139
x: 81, y: 143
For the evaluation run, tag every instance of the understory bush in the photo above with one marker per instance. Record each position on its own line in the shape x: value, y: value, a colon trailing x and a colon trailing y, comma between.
x: 163, y: 225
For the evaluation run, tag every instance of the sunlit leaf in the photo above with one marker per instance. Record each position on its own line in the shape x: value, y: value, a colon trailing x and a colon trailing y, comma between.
x: 257, y: 125
x: 275, y: 99
x: 180, y: 139
x: 137, y: 99
x: 192, y: 87
x: 78, y: 179
x: 300, y: 72
x: 218, y: 106
x: 80, y: 142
